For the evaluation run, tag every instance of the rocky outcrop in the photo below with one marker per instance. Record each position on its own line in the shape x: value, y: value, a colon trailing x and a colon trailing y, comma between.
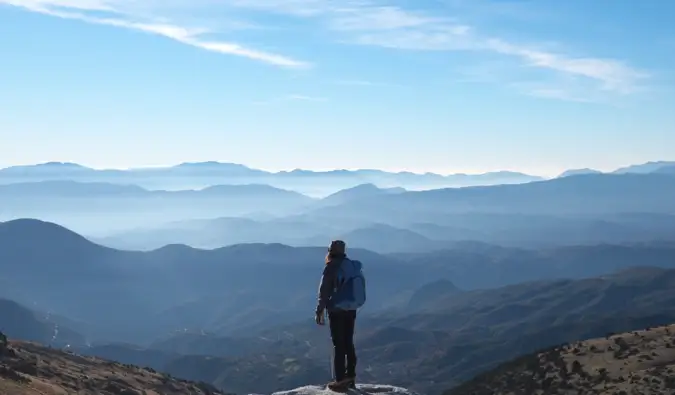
x: 361, y: 389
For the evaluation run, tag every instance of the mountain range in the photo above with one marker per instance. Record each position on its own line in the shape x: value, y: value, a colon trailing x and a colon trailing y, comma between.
x: 203, y: 174
x: 217, y: 283
x: 239, y: 317
x: 222, y: 171
x: 588, y: 208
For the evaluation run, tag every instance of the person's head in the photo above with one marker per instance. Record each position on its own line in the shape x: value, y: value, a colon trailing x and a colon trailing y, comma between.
x: 337, y: 249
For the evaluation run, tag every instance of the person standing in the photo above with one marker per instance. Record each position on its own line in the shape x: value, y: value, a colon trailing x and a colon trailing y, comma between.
x: 341, y: 294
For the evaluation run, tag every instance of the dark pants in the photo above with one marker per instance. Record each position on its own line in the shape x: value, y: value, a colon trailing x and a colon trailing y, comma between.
x: 342, y: 334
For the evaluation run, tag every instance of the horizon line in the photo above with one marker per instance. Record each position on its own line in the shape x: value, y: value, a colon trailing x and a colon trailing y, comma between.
x: 267, y: 170
x: 318, y: 170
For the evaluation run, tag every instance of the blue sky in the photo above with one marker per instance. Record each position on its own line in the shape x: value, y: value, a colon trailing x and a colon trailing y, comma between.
x: 443, y: 85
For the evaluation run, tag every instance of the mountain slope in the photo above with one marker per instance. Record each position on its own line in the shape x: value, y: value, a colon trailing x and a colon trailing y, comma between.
x: 388, y: 239
x: 670, y: 169
x: 440, y: 232
x: 19, y: 322
x: 62, y: 272
x: 358, y: 192
x: 104, y: 207
x: 431, y: 293
x: 591, y: 194
x: 106, y: 290
x: 218, y: 232
x: 638, y: 362
x: 27, y: 369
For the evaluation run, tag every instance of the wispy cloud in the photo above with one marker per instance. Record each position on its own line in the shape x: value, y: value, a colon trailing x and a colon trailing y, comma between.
x: 380, y: 23
x: 124, y: 17
x: 612, y: 75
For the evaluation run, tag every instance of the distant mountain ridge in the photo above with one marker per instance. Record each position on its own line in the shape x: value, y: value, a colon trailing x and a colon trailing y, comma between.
x: 212, y: 172
x: 649, y: 167
x: 582, y: 209
x: 576, y: 172
x: 230, y: 169
x: 82, y: 189
x: 359, y: 192
x: 226, y: 168
x: 113, y: 206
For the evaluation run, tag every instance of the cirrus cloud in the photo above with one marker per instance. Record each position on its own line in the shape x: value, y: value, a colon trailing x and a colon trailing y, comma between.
x: 377, y: 23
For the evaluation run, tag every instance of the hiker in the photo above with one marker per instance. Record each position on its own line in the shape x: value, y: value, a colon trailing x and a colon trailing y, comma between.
x: 341, y: 293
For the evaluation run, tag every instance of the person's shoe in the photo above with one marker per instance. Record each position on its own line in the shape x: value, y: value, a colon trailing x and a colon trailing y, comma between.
x: 340, y: 386
x: 352, y: 381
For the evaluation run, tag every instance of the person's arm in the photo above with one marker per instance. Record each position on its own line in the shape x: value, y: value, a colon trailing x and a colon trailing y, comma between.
x: 327, y: 285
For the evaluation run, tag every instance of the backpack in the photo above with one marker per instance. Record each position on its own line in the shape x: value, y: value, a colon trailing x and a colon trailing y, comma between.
x: 350, y: 293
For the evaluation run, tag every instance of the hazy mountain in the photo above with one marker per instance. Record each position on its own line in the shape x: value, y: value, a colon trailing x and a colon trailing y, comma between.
x: 220, y: 232
x: 577, y: 172
x: 634, y: 362
x: 584, y: 209
x: 358, y: 192
x: 98, y: 207
x: 666, y: 170
x: 199, y: 175
x: 55, y: 268
x: 388, y: 239
x: 84, y: 190
x: 594, y: 194
x: 107, y: 293
x: 69, y: 189
x: 649, y: 167
x: 48, y: 170
x: 503, y: 229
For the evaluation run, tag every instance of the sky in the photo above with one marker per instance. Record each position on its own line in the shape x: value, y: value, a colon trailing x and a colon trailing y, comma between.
x: 426, y: 85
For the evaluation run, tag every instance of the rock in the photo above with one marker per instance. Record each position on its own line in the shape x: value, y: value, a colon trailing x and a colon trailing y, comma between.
x: 361, y: 389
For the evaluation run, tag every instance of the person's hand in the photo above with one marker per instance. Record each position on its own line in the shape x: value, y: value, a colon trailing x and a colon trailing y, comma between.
x: 320, y: 318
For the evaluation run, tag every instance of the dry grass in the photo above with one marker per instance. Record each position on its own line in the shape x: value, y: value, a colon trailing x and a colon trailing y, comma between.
x: 27, y: 368
x: 639, y: 362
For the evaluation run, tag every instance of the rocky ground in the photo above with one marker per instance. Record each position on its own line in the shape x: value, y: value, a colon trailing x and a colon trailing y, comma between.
x: 27, y: 368
x: 639, y: 362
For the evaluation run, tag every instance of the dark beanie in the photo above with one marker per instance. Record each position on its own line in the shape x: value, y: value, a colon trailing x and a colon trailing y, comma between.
x: 337, y: 247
